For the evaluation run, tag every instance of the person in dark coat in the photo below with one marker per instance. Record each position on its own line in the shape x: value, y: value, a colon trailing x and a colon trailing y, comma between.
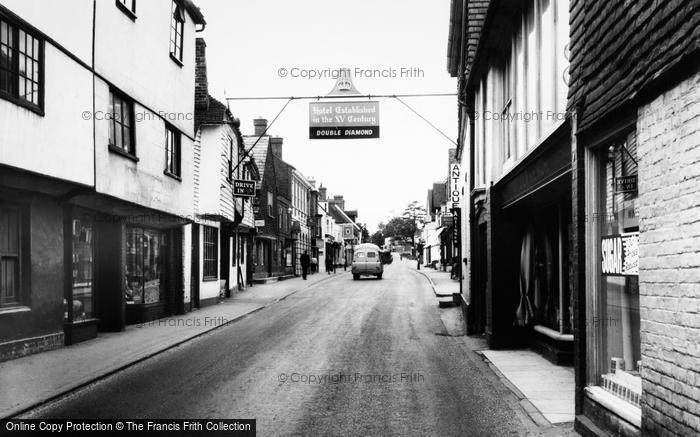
x: 305, y: 261
x: 329, y: 264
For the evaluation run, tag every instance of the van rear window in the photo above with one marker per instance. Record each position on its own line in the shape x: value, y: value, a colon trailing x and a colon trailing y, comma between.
x: 371, y: 255
x: 360, y: 255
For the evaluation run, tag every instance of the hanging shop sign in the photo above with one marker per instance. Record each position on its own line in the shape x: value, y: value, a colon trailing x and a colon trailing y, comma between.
x: 259, y: 223
x: 626, y: 184
x: 347, y: 232
x: 456, y: 185
x: 620, y: 254
x: 343, y: 120
x: 243, y: 188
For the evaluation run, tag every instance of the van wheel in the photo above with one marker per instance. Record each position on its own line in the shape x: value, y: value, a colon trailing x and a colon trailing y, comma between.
x: 355, y: 277
x: 379, y: 276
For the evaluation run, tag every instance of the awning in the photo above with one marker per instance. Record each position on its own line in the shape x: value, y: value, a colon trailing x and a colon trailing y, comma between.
x: 434, y: 240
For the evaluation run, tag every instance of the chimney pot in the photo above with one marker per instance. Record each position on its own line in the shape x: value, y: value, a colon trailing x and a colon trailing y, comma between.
x: 260, y: 125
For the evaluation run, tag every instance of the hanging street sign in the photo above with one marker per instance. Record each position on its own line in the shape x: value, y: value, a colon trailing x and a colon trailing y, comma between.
x: 259, y: 223
x: 620, y: 254
x: 243, y: 188
x: 343, y: 120
x: 626, y: 184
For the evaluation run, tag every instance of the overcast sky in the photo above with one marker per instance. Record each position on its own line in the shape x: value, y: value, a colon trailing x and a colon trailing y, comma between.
x: 248, y: 42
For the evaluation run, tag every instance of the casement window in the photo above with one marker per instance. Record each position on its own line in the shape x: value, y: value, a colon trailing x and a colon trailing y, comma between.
x: 211, y: 253
x: 10, y: 284
x: 128, y: 7
x: 507, y: 101
x: 21, y: 66
x: 172, y: 152
x: 177, y: 27
x: 121, y: 124
x: 270, y: 209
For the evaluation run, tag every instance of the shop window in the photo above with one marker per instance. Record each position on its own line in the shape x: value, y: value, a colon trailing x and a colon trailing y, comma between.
x: 211, y: 253
x: 83, y: 264
x: 616, y: 318
x: 21, y: 58
x: 144, y: 266
x: 10, y: 284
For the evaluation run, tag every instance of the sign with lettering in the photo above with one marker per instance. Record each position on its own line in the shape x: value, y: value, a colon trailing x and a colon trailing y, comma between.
x: 259, y: 223
x: 243, y: 188
x: 620, y: 254
x: 343, y: 120
x: 626, y: 184
x: 456, y: 186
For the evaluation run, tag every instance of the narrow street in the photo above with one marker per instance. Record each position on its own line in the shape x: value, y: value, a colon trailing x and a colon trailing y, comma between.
x: 301, y: 366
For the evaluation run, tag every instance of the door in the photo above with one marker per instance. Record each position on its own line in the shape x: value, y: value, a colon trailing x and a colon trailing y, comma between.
x: 194, y: 279
x: 478, y: 299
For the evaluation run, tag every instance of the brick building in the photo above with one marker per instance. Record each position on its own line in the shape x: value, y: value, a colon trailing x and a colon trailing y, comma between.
x: 634, y: 89
x: 604, y: 198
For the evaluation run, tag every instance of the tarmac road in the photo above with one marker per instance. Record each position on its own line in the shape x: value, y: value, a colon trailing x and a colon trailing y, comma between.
x: 344, y: 357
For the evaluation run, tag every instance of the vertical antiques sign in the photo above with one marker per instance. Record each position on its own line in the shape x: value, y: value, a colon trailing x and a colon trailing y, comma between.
x: 456, y: 186
x: 620, y: 254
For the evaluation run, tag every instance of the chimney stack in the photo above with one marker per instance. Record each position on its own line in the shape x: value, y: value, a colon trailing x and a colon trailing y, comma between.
x: 276, y: 145
x: 201, y: 87
x: 322, y: 193
x: 260, y: 125
x: 338, y: 200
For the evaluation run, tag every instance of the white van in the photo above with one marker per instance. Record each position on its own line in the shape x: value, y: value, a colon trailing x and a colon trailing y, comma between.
x: 366, y: 261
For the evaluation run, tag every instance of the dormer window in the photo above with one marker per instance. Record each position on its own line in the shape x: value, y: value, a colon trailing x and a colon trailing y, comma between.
x: 177, y: 28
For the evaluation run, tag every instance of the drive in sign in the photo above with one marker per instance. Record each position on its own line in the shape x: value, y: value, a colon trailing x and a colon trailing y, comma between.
x: 343, y: 120
x: 243, y: 188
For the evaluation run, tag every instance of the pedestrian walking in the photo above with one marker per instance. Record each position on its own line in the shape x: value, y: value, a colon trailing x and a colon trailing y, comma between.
x: 305, y: 260
x: 329, y: 264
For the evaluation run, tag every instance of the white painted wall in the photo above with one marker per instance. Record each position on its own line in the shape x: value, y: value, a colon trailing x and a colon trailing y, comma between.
x: 134, y: 56
x: 142, y: 182
x: 51, y: 18
x: 60, y: 142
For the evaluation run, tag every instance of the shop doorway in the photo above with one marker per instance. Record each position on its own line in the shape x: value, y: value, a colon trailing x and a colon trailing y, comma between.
x: 194, y: 277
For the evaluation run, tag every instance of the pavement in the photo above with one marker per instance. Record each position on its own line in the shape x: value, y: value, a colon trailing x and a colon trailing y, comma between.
x: 443, y: 286
x: 33, y: 380
x: 545, y: 389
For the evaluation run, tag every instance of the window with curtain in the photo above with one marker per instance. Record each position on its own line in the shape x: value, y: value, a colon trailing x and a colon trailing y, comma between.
x: 121, y: 123
x: 172, y: 151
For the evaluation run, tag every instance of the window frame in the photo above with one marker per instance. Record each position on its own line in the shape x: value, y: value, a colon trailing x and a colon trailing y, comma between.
x: 210, y: 253
x: 177, y: 19
x: 131, y: 154
x: 173, y: 152
x: 17, y: 299
x: 14, y: 27
x: 270, y: 204
x: 128, y: 11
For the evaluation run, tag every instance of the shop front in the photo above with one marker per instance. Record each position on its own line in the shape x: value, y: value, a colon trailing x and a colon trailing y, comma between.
x: 613, y: 384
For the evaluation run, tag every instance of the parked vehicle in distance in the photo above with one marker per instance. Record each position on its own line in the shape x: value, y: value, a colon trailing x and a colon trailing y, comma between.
x: 366, y: 261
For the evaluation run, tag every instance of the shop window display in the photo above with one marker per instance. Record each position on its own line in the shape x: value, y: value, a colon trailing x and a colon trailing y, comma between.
x: 617, y: 321
x: 83, y: 265
x: 144, y: 266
